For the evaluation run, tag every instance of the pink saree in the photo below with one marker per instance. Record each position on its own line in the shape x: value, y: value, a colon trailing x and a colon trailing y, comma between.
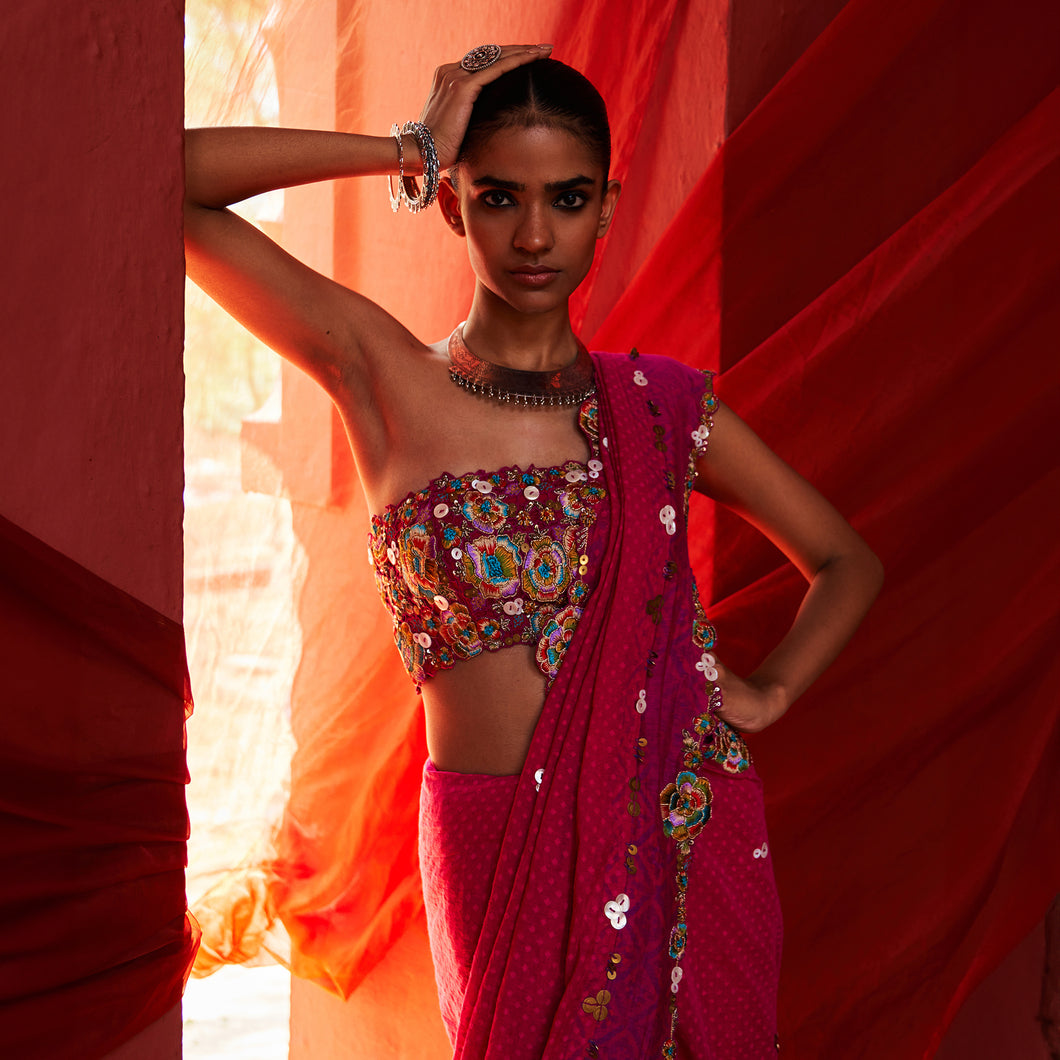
x: 555, y: 898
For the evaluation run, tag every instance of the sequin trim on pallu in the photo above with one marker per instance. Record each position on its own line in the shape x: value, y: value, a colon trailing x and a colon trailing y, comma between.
x: 708, y: 405
x: 686, y: 803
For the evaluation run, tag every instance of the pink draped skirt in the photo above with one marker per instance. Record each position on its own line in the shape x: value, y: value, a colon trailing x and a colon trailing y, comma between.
x: 729, y: 988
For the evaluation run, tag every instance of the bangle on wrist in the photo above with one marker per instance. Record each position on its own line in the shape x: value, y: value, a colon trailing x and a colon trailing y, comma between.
x: 395, y: 196
x: 408, y: 190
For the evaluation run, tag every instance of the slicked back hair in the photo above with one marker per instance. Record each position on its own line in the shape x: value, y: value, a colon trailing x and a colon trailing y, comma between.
x: 544, y: 93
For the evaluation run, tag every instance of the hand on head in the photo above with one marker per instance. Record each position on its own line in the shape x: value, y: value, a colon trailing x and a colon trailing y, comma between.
x: 455, y: 89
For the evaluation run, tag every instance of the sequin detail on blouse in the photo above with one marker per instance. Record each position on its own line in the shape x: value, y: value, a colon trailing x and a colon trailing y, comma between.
x: 708, y: 405
x: 484, y: 561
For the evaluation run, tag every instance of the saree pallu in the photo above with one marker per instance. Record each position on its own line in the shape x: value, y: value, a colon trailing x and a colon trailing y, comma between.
x: 552, y: 895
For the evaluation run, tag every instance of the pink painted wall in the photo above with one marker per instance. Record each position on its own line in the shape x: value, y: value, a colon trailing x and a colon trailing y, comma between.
x: 91, y: 312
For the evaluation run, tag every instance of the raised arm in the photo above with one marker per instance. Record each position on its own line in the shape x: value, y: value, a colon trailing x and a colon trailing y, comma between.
x: 307, y: 317
x: 227, y: 165
x: 318, y: 324
x: 741, y: 472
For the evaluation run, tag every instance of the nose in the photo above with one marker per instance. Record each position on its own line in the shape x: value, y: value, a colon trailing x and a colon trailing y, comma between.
x: 534, y: 232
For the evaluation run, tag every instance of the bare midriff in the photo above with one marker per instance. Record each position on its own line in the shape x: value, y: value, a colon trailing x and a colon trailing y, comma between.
x: 481, y: 714
x: 474, y: 565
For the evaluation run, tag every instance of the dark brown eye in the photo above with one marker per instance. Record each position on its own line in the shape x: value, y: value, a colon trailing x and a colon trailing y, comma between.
x: 571, y: 200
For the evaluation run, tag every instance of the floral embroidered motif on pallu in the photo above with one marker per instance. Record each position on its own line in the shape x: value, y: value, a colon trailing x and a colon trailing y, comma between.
x: 685, y: 802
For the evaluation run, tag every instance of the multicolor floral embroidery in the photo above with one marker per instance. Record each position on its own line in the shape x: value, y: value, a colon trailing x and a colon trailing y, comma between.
x: 417, y: 560
x: 589, y: 421
x: 547, y: 567
x: 679, y: 931
x: 573, y: 506
x: 717, y: 740
x: 712, y: 738
x: 703, y: 632
x: 488, y: 514
x: 490, y: 631
x: 494, y: 562
x: 685, y: 806
x: 556, y: 636
x: 579, y: 591
x: 458, y: 628
x: 686, y: 803
x: 505, y: 553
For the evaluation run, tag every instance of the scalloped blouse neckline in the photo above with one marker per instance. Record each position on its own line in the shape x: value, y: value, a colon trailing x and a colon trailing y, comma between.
x: 506, y: 473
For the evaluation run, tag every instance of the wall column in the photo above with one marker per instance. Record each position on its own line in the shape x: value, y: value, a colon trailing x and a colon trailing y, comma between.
x: 91, y: 392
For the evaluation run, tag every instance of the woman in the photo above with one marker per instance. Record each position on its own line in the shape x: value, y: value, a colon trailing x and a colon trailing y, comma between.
x: 593, y: 851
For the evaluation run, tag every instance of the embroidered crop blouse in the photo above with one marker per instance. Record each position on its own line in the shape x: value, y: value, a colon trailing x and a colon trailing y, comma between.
x: 485, y: 560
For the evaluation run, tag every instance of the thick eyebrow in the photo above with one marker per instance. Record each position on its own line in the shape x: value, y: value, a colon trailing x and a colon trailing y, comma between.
x: 552, y: 186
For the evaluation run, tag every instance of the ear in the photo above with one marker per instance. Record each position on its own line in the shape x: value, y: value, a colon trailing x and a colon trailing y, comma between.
x: 607, y: 211
x: 449, y: 204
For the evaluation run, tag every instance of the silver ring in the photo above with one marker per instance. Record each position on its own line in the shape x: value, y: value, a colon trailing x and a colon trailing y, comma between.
x: 481, y: 57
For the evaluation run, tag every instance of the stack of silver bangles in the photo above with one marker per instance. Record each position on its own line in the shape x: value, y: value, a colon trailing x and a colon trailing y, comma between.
x: 408, y: 190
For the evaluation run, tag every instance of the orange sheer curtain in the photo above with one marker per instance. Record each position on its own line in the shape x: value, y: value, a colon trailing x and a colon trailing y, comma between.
x: 867, y: 258
x: 240, y: 554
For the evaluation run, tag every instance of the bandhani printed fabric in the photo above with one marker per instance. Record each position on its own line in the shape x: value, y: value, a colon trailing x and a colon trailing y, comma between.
x: 568, y: 911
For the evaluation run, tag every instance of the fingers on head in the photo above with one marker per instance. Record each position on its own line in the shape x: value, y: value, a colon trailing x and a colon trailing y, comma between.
x: 508, y: 50
x: 522, y: 53
x: 511, y: 55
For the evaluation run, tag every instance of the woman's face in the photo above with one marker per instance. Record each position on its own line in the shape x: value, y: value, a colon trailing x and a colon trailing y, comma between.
x: 531, y: 203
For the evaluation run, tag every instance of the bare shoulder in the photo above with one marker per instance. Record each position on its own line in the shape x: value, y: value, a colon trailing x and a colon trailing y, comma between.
x: 740, y: 471
x: 733, y: 452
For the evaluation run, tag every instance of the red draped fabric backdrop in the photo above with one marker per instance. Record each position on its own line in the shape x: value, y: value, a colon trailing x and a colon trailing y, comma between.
x: 851, y: 210
x: 861, y: 235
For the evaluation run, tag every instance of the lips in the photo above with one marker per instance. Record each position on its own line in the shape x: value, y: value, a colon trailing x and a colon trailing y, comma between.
x: 534, y: 275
